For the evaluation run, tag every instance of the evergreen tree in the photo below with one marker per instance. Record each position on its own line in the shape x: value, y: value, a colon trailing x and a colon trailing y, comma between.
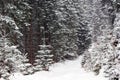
x: 10, y: 56
x: 19, y: 11
x: 112, y: 69
x: 44, y: 56
x: 12, y: 17
x: 103, y: 52
x: 65, y: 34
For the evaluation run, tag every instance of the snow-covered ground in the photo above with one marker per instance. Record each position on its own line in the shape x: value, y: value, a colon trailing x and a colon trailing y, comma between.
x: 69, y: 70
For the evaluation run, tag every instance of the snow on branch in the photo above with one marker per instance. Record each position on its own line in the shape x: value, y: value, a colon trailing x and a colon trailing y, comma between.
x: 12, y: 24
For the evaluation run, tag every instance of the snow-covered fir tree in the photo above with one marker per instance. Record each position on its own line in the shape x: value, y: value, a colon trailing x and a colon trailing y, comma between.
x: 103, y: 52
x: 112, y: 69
x: 19, y: 11
x: 10, y: 57
x: 44, y: 57
x: 12, y: 20
x: 65, y: 37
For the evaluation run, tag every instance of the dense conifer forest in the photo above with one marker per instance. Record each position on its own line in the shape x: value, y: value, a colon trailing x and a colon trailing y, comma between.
x: 35, y: 34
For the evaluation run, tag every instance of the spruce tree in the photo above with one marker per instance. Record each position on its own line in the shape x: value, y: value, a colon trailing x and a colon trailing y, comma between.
x: 13, y: 18
x: 102, y: 52
x: 44, y: 56
x: 66, y: 34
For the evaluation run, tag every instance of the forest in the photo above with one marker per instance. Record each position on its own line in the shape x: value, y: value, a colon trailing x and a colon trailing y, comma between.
x: 35, y: 34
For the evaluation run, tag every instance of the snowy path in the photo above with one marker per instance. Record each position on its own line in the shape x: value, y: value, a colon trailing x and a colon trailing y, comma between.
x: 69, y: 70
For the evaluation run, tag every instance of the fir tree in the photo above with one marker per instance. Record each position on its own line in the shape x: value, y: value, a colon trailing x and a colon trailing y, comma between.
x: 44, y: 56
x: 102, y: 52
x: 12, y: 17
x: 65, y: 33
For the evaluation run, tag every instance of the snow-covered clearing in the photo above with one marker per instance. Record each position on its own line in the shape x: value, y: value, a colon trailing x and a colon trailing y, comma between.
x: 69, y: 70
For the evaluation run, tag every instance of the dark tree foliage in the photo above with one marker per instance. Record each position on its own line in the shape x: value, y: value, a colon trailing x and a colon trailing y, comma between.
x: 84, y: 38
x: 69, y: 38
x: 43, y: 17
